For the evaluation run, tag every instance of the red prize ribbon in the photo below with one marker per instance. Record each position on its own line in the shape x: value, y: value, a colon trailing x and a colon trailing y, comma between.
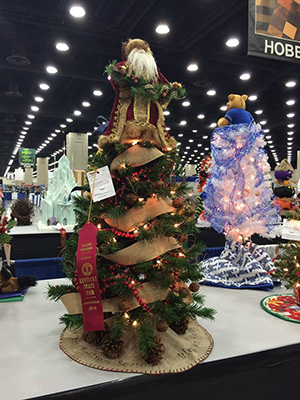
x: 88, y: 279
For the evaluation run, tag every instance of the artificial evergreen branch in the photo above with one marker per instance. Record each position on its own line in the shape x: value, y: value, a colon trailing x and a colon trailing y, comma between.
x: 72, y: 322
x: 145, y: 333
x: 118, y: 327
x: 55, y: 292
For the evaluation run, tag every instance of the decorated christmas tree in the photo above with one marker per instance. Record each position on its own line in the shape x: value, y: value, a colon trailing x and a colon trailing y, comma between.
x: 134, y: 279
x: 238, y: 201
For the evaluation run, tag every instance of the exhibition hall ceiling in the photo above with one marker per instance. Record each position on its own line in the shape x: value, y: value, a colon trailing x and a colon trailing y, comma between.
x: 68, y: 96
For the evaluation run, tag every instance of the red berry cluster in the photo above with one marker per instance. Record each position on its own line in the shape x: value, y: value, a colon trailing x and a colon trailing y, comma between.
x: 75, y: 280
x: 175, y: 279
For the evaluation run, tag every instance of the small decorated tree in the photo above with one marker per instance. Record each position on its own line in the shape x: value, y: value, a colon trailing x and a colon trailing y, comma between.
x: 287, y: 265
x: 142, y: 279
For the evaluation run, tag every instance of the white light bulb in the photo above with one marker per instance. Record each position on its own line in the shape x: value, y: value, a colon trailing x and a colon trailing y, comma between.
x: 162, y: 29
x: 290, y: 84
x: 77, y: 112
x: 201, y: 116
x: 51, y: 69
x: 232, y: 42
x: 77, y: 11
x: 39, y: 99
x: 44, y: 86
x: 245, y: 76
x: 211, y: 92
x: 97, y: 92
x: 192, y: 67
x: 61, y: 46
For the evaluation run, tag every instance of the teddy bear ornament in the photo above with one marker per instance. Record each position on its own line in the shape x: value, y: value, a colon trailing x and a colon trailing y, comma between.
x: 236, y: 113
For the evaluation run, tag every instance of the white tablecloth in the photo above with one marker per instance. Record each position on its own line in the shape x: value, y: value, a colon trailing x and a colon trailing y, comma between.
x: 31, y: 363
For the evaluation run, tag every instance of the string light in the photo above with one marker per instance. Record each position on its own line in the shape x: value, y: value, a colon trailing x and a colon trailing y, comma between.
x: 99, y: 226
x: 141, y: 199
x: 126, y: 315
x: 181, y: 255
x: 176, y: 225
x: 135, y: 323
x: 134, y: 142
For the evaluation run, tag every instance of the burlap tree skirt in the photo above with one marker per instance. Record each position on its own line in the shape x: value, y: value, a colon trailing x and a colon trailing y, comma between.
x: 182, y: 351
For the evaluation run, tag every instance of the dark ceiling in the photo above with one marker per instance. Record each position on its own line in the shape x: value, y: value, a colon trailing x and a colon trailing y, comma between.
x: 199, y: 30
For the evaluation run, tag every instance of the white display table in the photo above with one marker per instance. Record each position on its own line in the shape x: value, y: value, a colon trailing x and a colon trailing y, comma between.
x: 33, y: 365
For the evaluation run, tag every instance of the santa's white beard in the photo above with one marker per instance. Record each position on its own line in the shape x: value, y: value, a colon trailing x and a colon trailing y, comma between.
x: 143, y: 64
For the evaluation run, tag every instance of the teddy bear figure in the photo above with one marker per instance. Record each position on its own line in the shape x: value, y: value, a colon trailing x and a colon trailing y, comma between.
x: 236, y: 113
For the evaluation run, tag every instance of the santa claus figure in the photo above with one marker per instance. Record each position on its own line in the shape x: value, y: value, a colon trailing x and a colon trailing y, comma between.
x: 142, y: 93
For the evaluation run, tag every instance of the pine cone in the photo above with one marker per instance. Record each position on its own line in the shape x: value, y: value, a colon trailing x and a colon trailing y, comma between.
x: 93, y: 337
x: 112, y: 348
x: 180, y: 327
x: 154, y: 356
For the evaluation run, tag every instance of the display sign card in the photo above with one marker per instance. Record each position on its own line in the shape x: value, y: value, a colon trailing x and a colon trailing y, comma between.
x: 103, y: 185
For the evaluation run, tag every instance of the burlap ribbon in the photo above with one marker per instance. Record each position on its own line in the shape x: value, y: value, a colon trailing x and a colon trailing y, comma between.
x: 149, y: 293
x: 143, y: 251
x: 135, y: 156
x: 137, y: 216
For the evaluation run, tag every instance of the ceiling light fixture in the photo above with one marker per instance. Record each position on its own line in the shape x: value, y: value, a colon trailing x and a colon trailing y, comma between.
x: 86, y: 104
x: 182, y: 123
x: 44, y: 86
x: 63, y: 125
x: 51, y: 69
x: 30, y: 116
x: 290, y: 102
x: 186, y: 103
x: 77, y: 11
x: 290, y: 125
x: 253, y: 97
x: 290, y: 84
x: 28, y: 122
x: 192, y: 67
x: 223, y: 108
x: 245, y: 76
x: 213, y: 125
x: 232, y: 42
x: 77, y: 112
x: 180, y: 134
x: 290, y: 115
x: 258, y: 112
x: 162, y: 29
x: 166, y: 112
x: 34, y: 108
x: 201, y: 116
x: 290, y: 132
x: 61, y: 46
x: 69, y: 120
x: 53, y: 134
x: 97, y: 92
x: 211, y: 92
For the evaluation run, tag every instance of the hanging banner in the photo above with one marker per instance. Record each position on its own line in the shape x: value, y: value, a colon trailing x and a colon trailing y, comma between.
x: 26, y: 156
x: 274, y: 29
